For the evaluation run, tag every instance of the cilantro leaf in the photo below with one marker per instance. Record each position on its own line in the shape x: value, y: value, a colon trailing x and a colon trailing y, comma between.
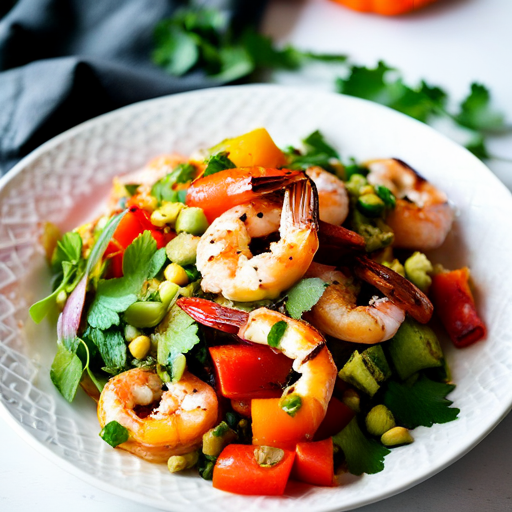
x: 421, y: 404
x: 113, y: 296
x: 111, y: 346
x: 304, y: 295
x: 69, y: 248
x: 177, y: 336
x: 315, y: 142
x: 156, y: 263
x: 114, y: 434
x: 276, y: 333
x: 317, y: 152
x: 66, y: 372
x: 363, y: 455
x: 163, y: 189
x: 217, y: 163
x: 476, y: 112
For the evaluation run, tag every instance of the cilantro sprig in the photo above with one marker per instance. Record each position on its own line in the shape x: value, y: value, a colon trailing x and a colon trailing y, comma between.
x: 68, y: 266
x: 141, y: 261
x: 205, y: 39
x: 422, y: 404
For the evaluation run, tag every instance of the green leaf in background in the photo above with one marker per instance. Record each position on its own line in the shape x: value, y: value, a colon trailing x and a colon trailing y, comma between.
x: 476, y: 112
x: 114, y: 434
x: 111, y: 345
x: 363, y: 455
x: 422, y: 404
x: 69, y: 249
x: 304, y: 295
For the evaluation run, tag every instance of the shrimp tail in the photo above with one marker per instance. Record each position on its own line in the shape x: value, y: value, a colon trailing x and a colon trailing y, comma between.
x: 268, y: 184
x: 341, y: 237
x: 213, y: 315
x: 300, y: 207
x: 396, y: 288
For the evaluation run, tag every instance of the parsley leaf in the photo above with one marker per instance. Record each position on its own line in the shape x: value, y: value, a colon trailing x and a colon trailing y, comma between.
x: 163, y: 189
x: 476, y: 112
x: 304, y: 295
x: 111, y: 346
x: 276, y: 333
x: 177, y: 336
x: 363, y: 455
x: 66, y: 372
x: 217, y: 163
x: 113, y: 296
x: 114, y: 434
x: 421, y: 404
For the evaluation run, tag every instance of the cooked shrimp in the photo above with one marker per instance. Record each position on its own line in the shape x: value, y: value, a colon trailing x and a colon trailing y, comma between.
x: 422, y: 217
x: 185, y: 412
x: 219, y: 192
x: 226, y: 263
x: 332, y: 196
x: 300, y: 342
x: 337, y: 314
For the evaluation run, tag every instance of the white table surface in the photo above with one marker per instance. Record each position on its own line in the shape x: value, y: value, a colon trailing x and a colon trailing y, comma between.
x: 449, y: 44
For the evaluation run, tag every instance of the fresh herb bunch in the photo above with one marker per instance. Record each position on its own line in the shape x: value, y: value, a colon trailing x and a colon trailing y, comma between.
x: 204, y: 38
x: 199, y: 38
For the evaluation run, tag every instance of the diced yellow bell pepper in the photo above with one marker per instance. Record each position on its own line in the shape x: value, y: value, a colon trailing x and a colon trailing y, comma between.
x: 254, y: 148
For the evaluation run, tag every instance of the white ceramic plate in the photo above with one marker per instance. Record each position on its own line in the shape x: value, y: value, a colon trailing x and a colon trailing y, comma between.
x: 64, y: 182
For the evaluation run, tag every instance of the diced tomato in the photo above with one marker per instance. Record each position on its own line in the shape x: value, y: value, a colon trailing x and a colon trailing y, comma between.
x: 271, y: 426
x: 455, y: 306
x: 249, y: 371
x: 338, y: 416
x: 237, y: 471
x: 134, y: 223
x: 314, y: 463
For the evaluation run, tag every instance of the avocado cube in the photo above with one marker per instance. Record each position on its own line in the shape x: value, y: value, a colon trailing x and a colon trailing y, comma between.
x: 356, y: 373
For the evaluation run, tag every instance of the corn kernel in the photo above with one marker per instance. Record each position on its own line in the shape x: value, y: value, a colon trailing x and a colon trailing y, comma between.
x: 396, y: 436
x: 176, y: 274
x: 140, y: 346
x: 166, y: 214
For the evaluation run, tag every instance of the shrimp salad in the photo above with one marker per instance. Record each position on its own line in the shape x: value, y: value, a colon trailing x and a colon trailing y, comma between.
x: 260, y: 315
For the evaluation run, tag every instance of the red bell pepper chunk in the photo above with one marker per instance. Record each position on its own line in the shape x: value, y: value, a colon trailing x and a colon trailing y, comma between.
x: 314, y: 463
x: 134, y: 223
x: 338, y: 416
x: 249, y: 371
x: 237, y: 471
x: 455, y: 306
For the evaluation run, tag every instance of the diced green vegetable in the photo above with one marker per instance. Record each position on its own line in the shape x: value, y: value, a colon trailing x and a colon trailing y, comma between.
x: 216, y: 439
x: 413, y: 348
x: 291, y: 404
x: 191, y: 220
x: 371, y: 205
x: 396, y: 266
x: 276, y: 333
x: 417, y: 269
x: 386, y: 195
x: 376, y: 362
x: 178, y: 463
x: 356, y: 373
x: 182, y: 249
